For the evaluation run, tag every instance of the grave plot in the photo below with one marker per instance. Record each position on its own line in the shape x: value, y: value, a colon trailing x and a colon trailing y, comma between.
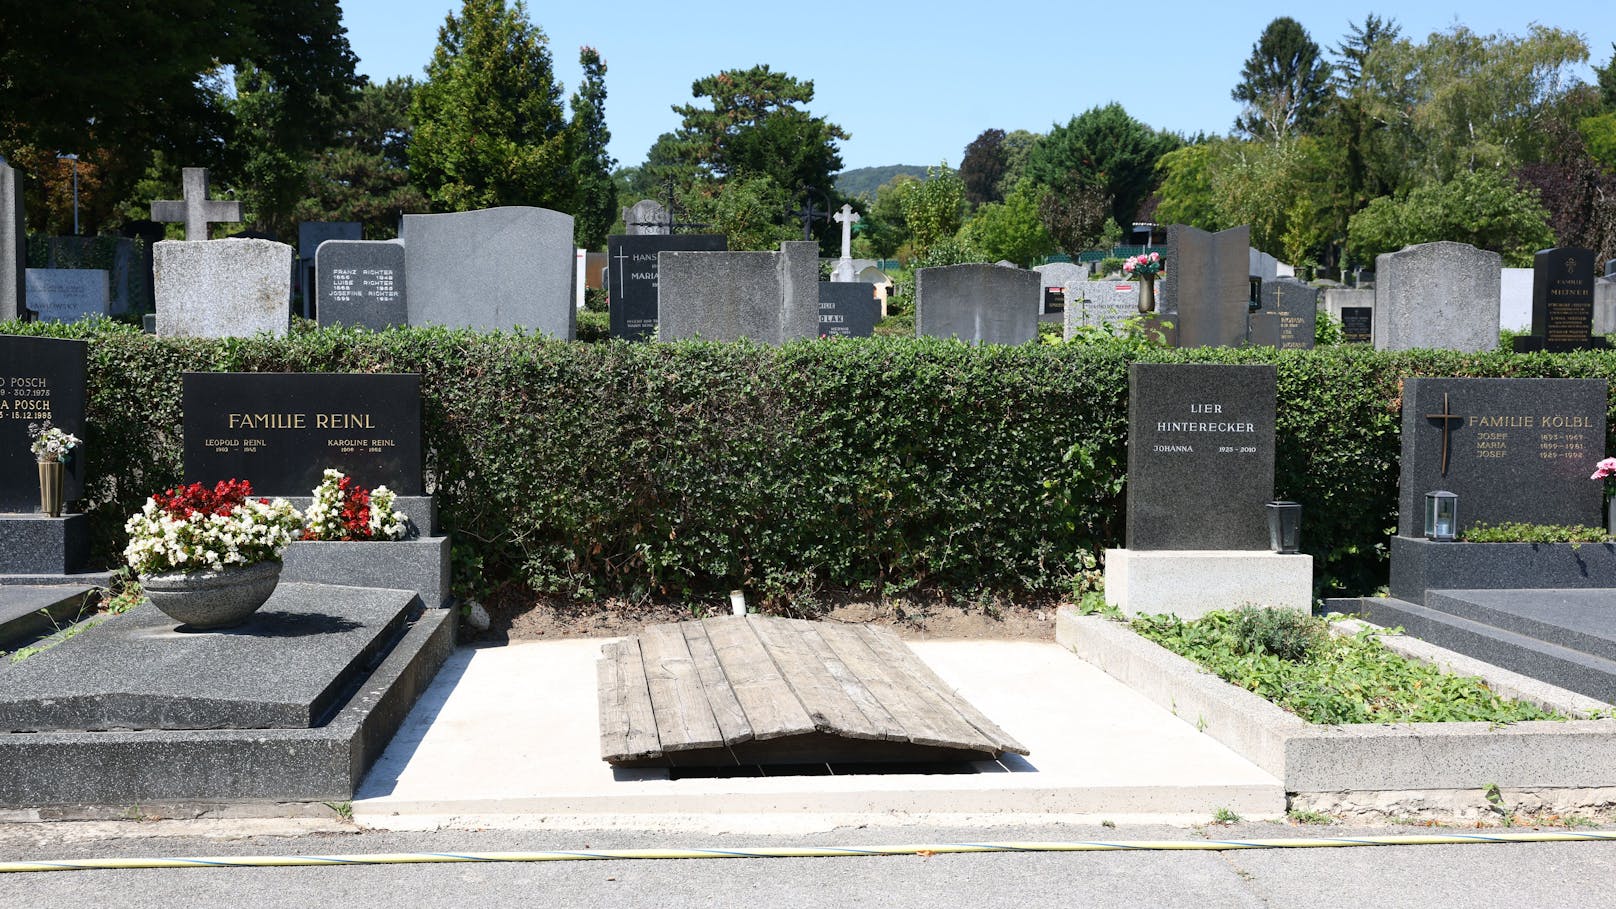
x: 749, y: 690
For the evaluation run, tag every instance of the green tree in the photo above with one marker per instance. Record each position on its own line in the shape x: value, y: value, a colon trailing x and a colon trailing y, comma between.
x: 1011, y: 229
x: 756, y: 126
x: 1369, y: 168
x: 1185, y: 195
x: 1606, y: 76
x: 884, y: 224
x: 1284, y: 84
x: 746, y: 209
x: 982, y: 168
x: 1483, y: 208
x: 1075, y: 218
x: 934, y: 210
x: 489, y: 128
x: 592, y: 164
x: 364, y: 174
x: 1017, y: 146
x: 1106, y: 149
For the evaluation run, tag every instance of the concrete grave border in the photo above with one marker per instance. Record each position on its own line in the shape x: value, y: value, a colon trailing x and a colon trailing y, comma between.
x: 1361, y: 758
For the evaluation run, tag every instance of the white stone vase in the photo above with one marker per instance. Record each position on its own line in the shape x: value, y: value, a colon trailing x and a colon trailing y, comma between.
x: 204, y: 600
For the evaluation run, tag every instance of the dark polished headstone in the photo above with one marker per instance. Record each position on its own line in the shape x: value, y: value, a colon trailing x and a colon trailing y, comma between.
x: 310, y: 234
x: 1562, y: 302
x: 1200, y: 455
x: 1289, y: 315
x: 280, y: 431
x: 40, y: 379
x: 847, y: 310
x: 360, y: 283
x: 1510, y: 449
x: 1358, y: 324
x: 1208, y: 288
x: 632, y: 276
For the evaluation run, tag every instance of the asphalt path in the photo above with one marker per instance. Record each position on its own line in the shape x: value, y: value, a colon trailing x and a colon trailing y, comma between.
x: 1480, y: 876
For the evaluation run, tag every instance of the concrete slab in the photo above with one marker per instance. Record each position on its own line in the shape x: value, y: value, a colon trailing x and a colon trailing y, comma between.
x: 1098, y: 750
x: 29, y: 611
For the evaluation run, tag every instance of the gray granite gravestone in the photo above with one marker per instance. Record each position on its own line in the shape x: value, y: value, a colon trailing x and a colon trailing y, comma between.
x: 1610, y: 268
x: 1289, y: 315
x: 1200, y: 456
x: 40, y: 379
x: 978, y: 304
x: 148, y: 234
x: 1510, y: 449
x: 310, y: 234
x: 1604, y: 307
x: 13, y: 245
x: 1096, y: 303
x: 646, y: 218
x: 222, y: 288
x: 69, y: 294
x: 497, y: 268
x: 1562, y: 302
x: 1262, y: 265
x: 848, y: 310
x: 360, y: 283
x: 771, y: 297
x: 631, y: 295
x: 1442, y: 295
x: 1207, y: 290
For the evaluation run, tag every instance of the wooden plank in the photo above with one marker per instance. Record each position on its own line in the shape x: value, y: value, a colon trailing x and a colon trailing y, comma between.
x: 922, y: 723
x: 683, y: 719
x: 818, y: 691
x: 897, y: 654
x: 772, y: 708
x: 609, y: 700
x: 880, y: 720
x: 625, y: 700
x: 727, y: 712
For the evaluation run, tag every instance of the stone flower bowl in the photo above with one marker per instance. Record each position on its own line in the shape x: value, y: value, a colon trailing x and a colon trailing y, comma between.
x: 205, y: 600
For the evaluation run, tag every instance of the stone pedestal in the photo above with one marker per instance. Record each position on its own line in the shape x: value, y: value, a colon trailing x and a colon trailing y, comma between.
x: 35, y: 544
x: 420, y: 565
x: 1191, y: 583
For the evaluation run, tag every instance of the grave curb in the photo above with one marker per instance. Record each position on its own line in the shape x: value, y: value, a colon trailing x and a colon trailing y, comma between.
x: 1419, y: 565
x: 1367, y: 758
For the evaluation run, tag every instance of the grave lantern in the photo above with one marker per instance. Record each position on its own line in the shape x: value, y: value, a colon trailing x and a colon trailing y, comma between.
x: 1441, y: 516
x: 1284, y: 526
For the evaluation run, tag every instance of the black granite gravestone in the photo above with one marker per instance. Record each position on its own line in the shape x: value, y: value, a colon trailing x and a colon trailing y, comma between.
x: 280, y: 431
x: 360, y: 283
x: 1200, y: 456
x: 1358, y: 324
x: 1288, y: 316
x: 1562, y: 302
x: 40, y: 379
x: 631, y: 277
x: 1510, y: 449
x: 848, y: 310
x: 1054, y: 300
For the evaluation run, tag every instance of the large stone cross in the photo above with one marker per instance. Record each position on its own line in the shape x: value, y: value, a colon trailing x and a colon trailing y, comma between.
x: 196, y: 210
x: 847, y: 217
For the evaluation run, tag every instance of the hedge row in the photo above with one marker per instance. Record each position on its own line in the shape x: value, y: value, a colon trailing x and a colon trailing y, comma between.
x: 692, y: 467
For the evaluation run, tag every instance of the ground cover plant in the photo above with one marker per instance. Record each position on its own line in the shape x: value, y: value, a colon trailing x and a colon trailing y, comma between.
x: 1294, y: 661
x: 1515, y: 532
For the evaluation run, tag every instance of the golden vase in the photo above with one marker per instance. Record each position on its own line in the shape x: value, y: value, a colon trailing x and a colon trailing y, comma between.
x: 50, y: 487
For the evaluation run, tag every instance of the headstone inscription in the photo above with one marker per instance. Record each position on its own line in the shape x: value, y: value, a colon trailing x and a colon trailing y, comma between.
x: 69, y: 294
x: 1441, y: 295
x: 1200, y: 455
x: 492, y: 269
x: 978, y: 304
x: 848, y: 310
x: 1208, y: 285
x: 631, y: 295
x: 1358, y: 324
x: 13, y: 245
x: 40, y: 379
x: 1097, y: 303
x: 1562, y: 302
x: 1510, y: 449
x: 1054, y: 302
x: 280, y: 431
x: 360, y: 283
x: 1288, y: 317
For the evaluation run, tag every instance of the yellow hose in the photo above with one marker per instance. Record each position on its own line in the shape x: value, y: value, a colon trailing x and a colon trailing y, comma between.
x: 422, y: 858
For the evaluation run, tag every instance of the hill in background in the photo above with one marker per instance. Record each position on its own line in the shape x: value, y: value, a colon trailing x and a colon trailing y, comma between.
x: 863, y: 181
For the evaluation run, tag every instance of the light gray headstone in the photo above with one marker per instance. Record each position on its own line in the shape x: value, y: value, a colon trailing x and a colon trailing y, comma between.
x: 1262, y: 265
x: 644, y: 218
x: 1207, y: 287
x: 497, y: 268
x: 771, y: 297
x: 69, y: 294
x: 13, y: 244
x: 361, y: 283
x: 1097, y: 303
x: 1441, y: 295
x: 978, y: 304
x: 1515, y: 298
x: 1061, y: 274
x: 1289, y: 315
x: 1605, y: 306
x: 222, y: 288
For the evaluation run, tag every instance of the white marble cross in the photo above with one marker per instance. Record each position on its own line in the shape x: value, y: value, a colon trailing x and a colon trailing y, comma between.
x: 847, y: 217
x: 196, y: 210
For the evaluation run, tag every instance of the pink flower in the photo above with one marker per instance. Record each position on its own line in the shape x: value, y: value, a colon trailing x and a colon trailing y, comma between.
x: 1155, y: 257
x: 1604, y: 469
x: 1128, y: 265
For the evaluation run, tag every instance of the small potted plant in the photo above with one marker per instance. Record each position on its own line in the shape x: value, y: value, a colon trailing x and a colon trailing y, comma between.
x: 1144, y: 268
x: 209, y: 558
x: 52, y: 446
x: 344, y: 511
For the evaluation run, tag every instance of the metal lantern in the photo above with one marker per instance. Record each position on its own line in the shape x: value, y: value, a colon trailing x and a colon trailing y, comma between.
x: 1284, y: 526
x: 1441, y: 516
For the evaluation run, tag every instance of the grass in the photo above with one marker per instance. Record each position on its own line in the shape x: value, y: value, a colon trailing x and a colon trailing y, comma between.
x: 1293, y: 661
x: 1225, y: 816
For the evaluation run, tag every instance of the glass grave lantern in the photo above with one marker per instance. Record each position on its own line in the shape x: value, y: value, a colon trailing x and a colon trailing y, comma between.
x: 1441, y: 516
x: 1284, y: 526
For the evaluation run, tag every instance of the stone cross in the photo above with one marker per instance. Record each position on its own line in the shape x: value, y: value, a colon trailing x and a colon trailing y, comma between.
x: 196, y: 210
x: 843, y: 272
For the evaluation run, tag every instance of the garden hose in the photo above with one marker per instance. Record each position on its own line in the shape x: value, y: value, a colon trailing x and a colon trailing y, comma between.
x: 571, y: 855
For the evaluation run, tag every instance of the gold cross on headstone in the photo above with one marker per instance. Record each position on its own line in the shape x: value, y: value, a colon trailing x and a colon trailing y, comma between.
x: 1447, y: 417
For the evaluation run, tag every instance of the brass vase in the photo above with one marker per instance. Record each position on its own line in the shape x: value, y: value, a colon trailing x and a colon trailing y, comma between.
x: 50, y: 487
x: 1147, y: 295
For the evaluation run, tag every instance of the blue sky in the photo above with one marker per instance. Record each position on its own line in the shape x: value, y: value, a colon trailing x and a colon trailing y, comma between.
x: 913, y: 82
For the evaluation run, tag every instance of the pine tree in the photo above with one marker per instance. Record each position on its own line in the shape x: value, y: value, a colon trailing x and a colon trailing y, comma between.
x: 1284, y: 84
x: 592, y: 167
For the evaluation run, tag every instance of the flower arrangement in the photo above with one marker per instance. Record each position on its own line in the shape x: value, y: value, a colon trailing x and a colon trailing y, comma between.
x: 50, y: 443
x: 345, y: 511
x: 194, y: 528
x: 1606, y: 470
x: 1143, y: 267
